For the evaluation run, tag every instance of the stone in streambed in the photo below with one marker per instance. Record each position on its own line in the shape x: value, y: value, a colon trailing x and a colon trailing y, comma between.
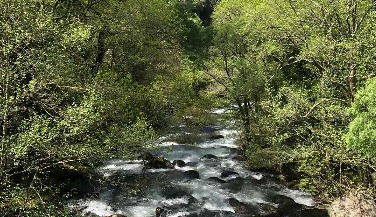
x: 286, y: 205
x: 243, y: 208
x: 210, y: 157
x: 235, y: 184
x: 158, y: 163
x: 216, y: 179
x: 228, y: 173
x: 172, y: 192
x: 192, y: 174
x: 160, y: 212
x: 213, y: 137
x: 179, y: 163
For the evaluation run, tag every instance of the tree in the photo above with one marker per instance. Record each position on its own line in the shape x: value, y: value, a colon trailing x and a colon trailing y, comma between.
x: 297, y: 64
x: 361, y: 136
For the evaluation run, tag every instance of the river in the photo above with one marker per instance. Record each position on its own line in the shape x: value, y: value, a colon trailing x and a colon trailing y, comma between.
x: 225, y: 186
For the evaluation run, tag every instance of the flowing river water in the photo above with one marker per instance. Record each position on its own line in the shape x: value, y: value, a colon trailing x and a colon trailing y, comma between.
x: 222, y: 182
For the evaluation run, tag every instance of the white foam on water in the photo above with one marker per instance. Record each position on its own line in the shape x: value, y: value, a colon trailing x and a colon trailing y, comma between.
x: 249, y: 195
x: 99, y: 208
x: 167, y: 144
x: 178, y: 214
x: 298, y: 196
x: 191, y: 158
x: 133, y: 167
x: 236, y: 167
x: 219, y: 111
x: 175, y: 201
x: 212, y: 197
x: 217, y: 206
x: 186, y: 168
x: 158, y: 170
x: 141, y: 211
x: 257, y: 176
x: 207, y: 172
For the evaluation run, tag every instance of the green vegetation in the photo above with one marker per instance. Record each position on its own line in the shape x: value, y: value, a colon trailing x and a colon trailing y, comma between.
x: 300, y: 74
x: 88, y: 80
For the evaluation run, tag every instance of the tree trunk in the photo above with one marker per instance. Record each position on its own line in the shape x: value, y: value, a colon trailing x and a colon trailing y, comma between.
x: 4, y: 146
x: 101, y: 50
x: 351, y: 80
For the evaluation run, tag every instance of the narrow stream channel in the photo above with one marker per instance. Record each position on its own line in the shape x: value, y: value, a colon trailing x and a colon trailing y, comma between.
x: 225, y: 187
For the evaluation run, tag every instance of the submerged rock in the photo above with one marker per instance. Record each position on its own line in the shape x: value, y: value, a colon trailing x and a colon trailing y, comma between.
x: 174, y: 192
x: 236, y: 184
x: 212, y: 213
x: 213, y: 137
x: 228, y: 173
x: 216, y: 179
x: 192, y: 174
x: 179, y: 163
x: 242, y: 208
x: 210, y: 157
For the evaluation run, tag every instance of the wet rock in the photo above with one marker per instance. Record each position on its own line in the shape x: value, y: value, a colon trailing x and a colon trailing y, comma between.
x: 236, y: 184
x: 179, y: 163
x: 213, y: 137
x: 355, y: 204
x: 286, y: 205
x: 158, y: 163
x: 160, y: 212
x: 174, y: 192
x: 214, y: 213
x: 267, y: 210
x: 228, y: 173
x: 191, y: 164
x: 210, y: 157
x: 216, y: 179
x: 192, y: 174
x: 242, y: 208
x: 145, y: 157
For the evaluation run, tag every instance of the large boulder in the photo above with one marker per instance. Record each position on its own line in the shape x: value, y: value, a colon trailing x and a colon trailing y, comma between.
x: 355, y: 204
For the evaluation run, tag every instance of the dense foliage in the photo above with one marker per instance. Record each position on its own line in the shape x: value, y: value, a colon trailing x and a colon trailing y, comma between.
x: 84, y: 81
x: 88, y: 80
x: 293, y: 69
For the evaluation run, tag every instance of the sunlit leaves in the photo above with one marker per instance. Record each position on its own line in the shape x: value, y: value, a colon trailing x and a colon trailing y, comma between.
x: 362, y: 130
